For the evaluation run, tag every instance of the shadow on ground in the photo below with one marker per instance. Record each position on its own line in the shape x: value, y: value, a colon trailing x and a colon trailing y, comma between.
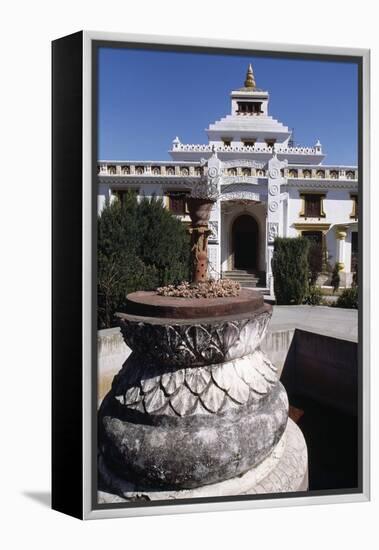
x: 332, y: 440
x: 41, y: 497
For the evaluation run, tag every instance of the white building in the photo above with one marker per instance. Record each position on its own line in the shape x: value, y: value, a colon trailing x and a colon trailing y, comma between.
x: 268, y: 187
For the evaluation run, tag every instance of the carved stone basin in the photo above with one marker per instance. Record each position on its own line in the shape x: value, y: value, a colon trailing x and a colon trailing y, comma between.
x: 197, y: 402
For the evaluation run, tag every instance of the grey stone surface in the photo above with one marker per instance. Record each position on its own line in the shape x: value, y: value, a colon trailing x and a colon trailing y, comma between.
x: 163, y: 391
x: 284, y: 470
x: 195, y: 343
x: 177, y: 452
x: 195, y: 403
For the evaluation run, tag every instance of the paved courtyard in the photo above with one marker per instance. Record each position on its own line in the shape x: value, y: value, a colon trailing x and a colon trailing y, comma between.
x: 328, y: 321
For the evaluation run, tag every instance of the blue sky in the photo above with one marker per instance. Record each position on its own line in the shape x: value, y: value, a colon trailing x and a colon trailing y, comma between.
x: 146, y: 98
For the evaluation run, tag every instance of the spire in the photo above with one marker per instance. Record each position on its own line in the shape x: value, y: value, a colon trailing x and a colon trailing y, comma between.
x: 250, y: 80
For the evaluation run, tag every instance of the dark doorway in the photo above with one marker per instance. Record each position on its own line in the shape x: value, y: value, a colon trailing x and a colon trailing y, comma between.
x: 313, y: 236
x: 245, y: 242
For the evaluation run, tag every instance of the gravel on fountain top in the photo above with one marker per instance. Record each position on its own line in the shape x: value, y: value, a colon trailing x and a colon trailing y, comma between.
x: 222, y: 288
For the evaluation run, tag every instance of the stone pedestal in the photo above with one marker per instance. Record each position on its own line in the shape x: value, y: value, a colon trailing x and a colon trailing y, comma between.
x: 285, y: 470
x: 197, y: 407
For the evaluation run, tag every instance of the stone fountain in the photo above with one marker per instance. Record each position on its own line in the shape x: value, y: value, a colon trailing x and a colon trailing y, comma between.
x: 197, y: 409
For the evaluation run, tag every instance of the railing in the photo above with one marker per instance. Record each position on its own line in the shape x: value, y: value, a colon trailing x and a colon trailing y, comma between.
x: 247, y: 173
x: 150, y: 170
x: 198, y: 148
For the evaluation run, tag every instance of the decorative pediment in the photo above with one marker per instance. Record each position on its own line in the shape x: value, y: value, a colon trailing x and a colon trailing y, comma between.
x: 240, y: 192
x: 243, y: 163
x: 228, y: 180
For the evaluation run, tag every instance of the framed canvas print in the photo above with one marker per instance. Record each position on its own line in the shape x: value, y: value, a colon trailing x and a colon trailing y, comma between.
x: 210, y: 275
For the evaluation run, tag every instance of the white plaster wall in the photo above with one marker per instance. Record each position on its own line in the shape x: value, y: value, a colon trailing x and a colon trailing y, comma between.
x: 102, y: 194
x: 337, y: 207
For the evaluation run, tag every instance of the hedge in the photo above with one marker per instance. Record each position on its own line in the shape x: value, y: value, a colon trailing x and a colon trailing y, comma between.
x: 290, y: 270
x: 141, y: 246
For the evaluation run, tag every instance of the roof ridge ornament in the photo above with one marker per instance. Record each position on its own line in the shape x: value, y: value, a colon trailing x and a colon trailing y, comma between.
x: 250, y: 80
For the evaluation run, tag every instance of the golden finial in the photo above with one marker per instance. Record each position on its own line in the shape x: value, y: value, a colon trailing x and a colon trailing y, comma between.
x: 250, y: 80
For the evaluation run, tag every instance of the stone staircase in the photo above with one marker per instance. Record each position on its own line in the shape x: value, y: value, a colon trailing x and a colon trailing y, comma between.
x: 246, y: 278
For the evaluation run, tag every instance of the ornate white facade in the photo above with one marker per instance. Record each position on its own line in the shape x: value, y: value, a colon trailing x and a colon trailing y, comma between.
x: 268, y: 187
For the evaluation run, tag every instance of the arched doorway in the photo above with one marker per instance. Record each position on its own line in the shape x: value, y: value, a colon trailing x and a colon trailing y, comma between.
x: 245, y: 242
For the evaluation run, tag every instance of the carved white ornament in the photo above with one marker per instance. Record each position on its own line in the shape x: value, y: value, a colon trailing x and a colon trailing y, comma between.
x: 213, y: 172
x: 274, y: 206
x: 244, y: 163
x: 274, y: 189
x: 212, y: 264
x: 213, y: 226
x: 240, y: 195
x: 272, y: 231
x: 252, y: 180
x: 274, y: 173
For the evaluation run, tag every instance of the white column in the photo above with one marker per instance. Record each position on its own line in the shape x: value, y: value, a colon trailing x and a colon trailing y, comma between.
x: 274, y: 229
x: 214, y: 252
x: 340, y: 244
x: 103, y: 193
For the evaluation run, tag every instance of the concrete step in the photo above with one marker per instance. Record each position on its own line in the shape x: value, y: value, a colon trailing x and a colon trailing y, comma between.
x: 249, y: 279
x: 241, y: 277
x: 237, y: 276
x: 241, y: 272
x: 248, y: 284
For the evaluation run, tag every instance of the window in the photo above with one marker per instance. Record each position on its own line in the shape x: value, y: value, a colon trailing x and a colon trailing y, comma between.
x: 227, y: 142
x: 170, y: 171
x: 156, y: 170
x: 307, y: 174
x: 350, y: 175
x: 334, y: 174
x: 312, y: 205
x: 246, y: 171
x: 111, y: 169
x: 140, y: 170
x: 125, y: 170
x: 292, y: 173
x: 249, y: 107
x: 177, y: 202
x: 232, y: 171
x: 320, y: 174
x: 354, y: 212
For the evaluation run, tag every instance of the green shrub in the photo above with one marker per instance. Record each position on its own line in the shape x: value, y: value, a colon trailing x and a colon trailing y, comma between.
x: 141, y: 246
x: 290, y: 269
x: 355, y: 276
x: 348, y: 298
x: 315, y: 261
x: 335, y: 281
x: 314, y: 296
